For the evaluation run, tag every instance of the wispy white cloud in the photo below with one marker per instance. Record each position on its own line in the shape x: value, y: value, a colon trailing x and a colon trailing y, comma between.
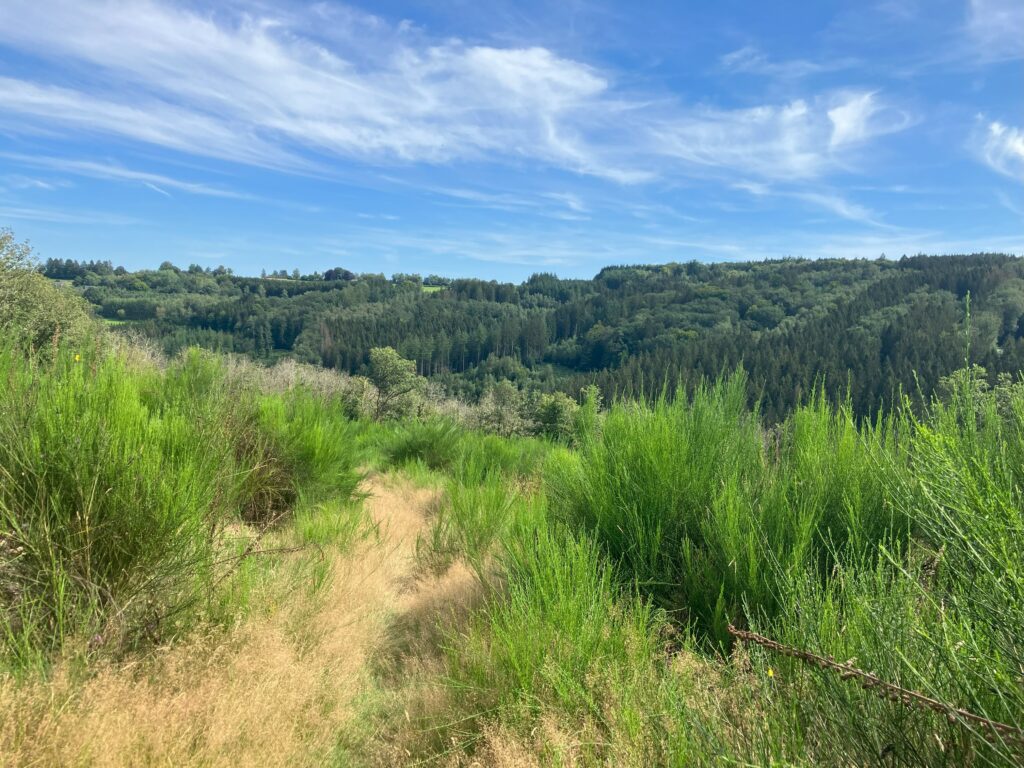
x: 60, y: 216
x: 826, y: 200
x: 840, y: 206
x: 116, y: 172
x: 752, y: 60
x: 1014, y: 207
x: 380, y: 216
x: 17, y: 181
x: 289, y: 89
x: 571, y: 207
x: 1001, y: 147
x: 853, y: 120
x: 143, y: 119
x: 570, y: 200
x: 252, y: 89
x: 155, y: 188
x: 996, y: 28
x: 798, y: 140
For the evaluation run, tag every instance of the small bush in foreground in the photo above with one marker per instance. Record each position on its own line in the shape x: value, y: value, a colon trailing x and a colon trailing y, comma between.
x: 108, y: 504
x: 559, y: 645
x: 117, y: 479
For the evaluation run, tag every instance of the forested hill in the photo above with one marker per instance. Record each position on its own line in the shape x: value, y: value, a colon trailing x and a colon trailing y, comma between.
x: 869, y: 327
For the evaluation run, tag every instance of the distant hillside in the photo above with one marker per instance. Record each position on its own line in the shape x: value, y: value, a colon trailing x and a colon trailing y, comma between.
x: 868, y: 327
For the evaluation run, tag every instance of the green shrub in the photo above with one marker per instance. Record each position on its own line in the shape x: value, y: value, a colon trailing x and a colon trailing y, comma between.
x: 116, y: 478
x: 35, y: 313
x: 559, y: 642
x: 703, y: 510
x: 436, y: 443
x: 475, y: 520
x: 514, y: 458
x: 397, y: 385
x: 555, y: 416
x: 502, y: 411
x: 313, y: 447
x: 108, y: 502
x: 896, y: 546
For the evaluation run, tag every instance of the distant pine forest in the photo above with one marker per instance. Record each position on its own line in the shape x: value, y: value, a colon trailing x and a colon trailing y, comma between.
x: 867, y: 331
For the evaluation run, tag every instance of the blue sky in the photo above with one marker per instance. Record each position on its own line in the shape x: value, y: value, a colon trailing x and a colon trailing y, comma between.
x: 498, y: 139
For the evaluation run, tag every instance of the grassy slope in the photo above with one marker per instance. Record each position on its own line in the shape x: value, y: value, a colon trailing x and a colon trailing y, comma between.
x: 543, y: 606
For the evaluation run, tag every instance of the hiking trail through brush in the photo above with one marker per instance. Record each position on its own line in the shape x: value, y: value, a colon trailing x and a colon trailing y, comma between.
x: 281, y: 687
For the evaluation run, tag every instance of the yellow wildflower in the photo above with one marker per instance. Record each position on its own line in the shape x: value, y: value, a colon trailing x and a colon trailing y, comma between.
x: 78, y: 357
x: 771, y: 672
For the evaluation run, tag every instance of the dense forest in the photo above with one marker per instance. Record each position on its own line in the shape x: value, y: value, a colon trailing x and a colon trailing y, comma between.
x: 866, y: 329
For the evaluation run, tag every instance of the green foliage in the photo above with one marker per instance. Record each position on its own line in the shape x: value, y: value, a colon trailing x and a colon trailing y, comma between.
x: 558, y: 642
x: 707, y: 513
x: 118, y: 478
x: 396, y: 381
x: 436, y: 443
x: 587, y: 420
x: 35, y: 313
x: 473, y: 519
x: 556, y: 416
x: 645, y: 488
x: 317, y: 448
x: 502, y: 411
x: 895, y: 545
x: 867, y: 330
x: 108, y: 503
x: 517, y: 459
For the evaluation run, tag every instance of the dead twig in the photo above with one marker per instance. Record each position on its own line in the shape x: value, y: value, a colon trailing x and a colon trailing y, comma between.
x: 990, y: 729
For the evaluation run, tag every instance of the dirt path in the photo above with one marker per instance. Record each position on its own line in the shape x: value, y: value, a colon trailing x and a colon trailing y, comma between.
x: 277, y: 691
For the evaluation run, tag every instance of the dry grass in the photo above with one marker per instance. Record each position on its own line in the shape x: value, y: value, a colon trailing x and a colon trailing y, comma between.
x: 277, y: 690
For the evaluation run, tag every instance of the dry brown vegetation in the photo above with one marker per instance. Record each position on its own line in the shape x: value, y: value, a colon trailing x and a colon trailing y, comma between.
x: 277, y: 690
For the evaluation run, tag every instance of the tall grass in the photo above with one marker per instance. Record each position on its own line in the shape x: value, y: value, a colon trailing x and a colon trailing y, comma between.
x: 897, y: 545
x: 444, y: 446
x: 940, y: 614
x: 961, y: 586
x: 116, y: 478
x: 559, y: 645
x: 104, y: 504
x: 707, y: 512
x: 436, y: 443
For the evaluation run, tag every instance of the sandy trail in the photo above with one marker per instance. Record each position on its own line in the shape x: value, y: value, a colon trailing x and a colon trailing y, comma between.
x: 277, y: 691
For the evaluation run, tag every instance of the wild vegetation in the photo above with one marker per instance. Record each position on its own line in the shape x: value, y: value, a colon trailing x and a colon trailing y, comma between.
x: 204, y: 560
x: 869, y: 331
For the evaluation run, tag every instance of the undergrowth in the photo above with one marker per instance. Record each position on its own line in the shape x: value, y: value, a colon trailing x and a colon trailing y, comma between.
x: 895, y: 546
x: 119, y: 480
x: 136, y: 495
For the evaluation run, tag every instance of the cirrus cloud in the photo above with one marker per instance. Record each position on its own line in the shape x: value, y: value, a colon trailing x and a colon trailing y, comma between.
x: 270, y: 89
x: 1001, y: 147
